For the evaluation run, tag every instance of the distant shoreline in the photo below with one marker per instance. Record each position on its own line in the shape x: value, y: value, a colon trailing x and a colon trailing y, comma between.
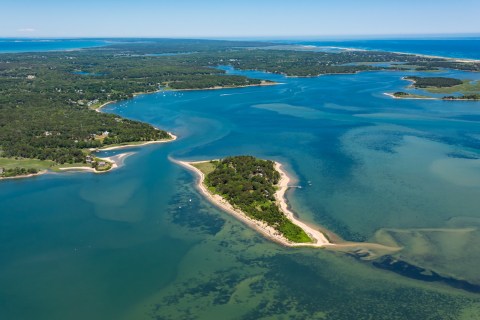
x: 391, y: 95
x: 24, y: 176
x: 141, y: 144
x: 136, y: 94
x: 262, y: 84
x: 464, y: 60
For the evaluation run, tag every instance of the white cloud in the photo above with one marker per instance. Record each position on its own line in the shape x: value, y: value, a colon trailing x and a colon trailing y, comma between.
x: 26, y: 30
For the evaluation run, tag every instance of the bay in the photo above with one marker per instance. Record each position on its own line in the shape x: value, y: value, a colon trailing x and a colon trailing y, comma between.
x: 140, y: 242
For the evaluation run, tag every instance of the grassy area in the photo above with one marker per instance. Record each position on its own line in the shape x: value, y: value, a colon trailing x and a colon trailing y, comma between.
x: 466, y: 88
x: 205, y: 167
x: 40, y: 165
x: 11, y: 163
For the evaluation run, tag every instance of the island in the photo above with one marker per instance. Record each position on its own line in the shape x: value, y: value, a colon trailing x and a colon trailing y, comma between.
x: 253, y: 191
x: 465, y: 89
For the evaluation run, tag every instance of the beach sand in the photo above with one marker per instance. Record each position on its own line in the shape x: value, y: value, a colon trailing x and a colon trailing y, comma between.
x: 174, y: 137
x: 116, y: 161
x: 25, y: 175
x: 319, y: 238
x: 262, y: 84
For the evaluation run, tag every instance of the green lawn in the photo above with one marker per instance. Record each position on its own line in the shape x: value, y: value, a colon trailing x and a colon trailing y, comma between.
x: 11, y: 163
x: 205, y: 167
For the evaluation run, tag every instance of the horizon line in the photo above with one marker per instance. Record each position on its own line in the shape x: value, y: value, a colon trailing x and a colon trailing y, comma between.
x: 265, y: 37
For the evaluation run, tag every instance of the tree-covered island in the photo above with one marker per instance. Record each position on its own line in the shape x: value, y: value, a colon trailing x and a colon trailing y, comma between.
x: 249, y: 184
x: 465, y: 89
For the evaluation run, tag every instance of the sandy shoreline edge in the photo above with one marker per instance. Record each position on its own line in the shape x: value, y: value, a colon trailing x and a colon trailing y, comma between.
x: 174, y: 137
x: 116, y: 161
x: 320, y: 240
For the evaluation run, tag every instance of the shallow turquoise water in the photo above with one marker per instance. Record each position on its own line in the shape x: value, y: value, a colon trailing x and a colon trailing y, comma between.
x: 140, y: 242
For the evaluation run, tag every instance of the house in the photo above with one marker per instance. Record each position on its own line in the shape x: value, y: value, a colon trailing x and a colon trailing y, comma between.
x: 2, y: 170
x: 102, y: 164
x: 31, y: 77
x: 89, y: 159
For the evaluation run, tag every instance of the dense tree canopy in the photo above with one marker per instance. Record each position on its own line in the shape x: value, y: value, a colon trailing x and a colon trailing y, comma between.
x: 438, y: 82
x: 46, y: 99
x: 249, y: 184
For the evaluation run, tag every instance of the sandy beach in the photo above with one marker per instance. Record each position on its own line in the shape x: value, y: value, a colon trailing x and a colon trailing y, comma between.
x: 319, y: 238
x: 174, y: 137
x: 116, y: 161
x: 99, y: 109
x: 262, y: 84
x: 25, y: 175
x: 391, y: 95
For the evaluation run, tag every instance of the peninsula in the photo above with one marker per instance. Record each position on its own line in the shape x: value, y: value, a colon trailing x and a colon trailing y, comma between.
x: 253, y: 191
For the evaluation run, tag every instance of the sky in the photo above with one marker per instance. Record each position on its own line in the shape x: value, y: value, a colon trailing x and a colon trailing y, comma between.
x: 241, y: 18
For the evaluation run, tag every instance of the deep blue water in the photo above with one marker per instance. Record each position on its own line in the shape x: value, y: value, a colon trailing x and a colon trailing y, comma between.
x: 457, y: 48
x: 41, y: 45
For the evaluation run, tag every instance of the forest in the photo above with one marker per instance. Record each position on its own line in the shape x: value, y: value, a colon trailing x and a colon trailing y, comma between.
x: 47, y: 99
x: 438, y: 82
x: 250, y: 185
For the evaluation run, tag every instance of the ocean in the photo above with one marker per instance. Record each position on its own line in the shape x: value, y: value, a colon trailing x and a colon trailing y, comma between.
x: 141, y: 242
x: 467, y: 48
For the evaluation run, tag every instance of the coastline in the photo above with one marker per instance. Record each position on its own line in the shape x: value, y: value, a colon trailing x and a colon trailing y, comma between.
x: 174, y: 137
x: 320, y: 240
x: 99, y: 109
x: 391, y: 95
x: 313, y: 48
x: 31, y: 175
x: 264, y: 229
x: 136, y: 94
x: 463, y: 60
x: 116, y: 161
x: 365, y: 250
x: 262, y: 84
